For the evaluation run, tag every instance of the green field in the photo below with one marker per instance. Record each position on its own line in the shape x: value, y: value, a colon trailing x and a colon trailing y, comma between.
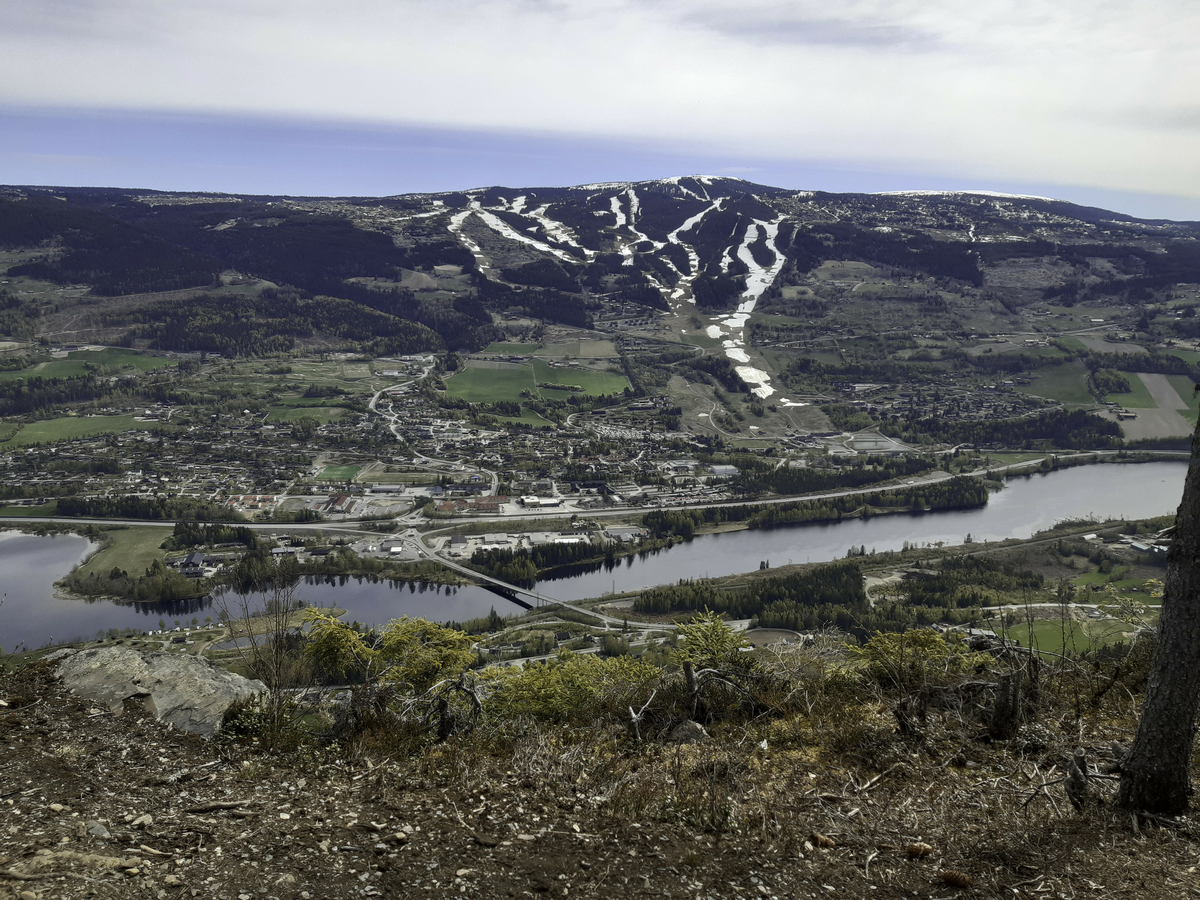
x: 71, y: 427
x: 1191, y: 356
x: 502, y: 349
x: 323, y: 414
x: 133, y: 549
x: 339, y: 473
x: 46, y: 509
x: 480, y: 385
x: 1051, y: 636
x: 77, y: 362
x: 1012, y: 459
x: 1071, y: 342
x: 1066, y: 383
x: 1138, y: 398
x: 593, y: 383
x: 527, y: 417
x: 579, y: 350
x: 1185, y: 387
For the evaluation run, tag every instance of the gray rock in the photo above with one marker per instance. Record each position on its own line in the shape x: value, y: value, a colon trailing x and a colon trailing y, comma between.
x: 688, y: 733
x: 189, y: 692
x: 95, y: 829
x: 56, y: 655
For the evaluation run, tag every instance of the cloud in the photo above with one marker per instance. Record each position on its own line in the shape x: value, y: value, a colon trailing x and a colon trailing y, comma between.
x: 1078, y: 91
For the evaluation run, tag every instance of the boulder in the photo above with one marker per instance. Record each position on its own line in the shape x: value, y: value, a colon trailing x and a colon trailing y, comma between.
x: 190, y: 692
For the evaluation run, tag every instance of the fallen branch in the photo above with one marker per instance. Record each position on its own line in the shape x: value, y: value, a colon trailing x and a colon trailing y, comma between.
x: 218, y: 804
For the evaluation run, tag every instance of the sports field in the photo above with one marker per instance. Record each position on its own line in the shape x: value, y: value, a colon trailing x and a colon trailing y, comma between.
x: 339, y: 473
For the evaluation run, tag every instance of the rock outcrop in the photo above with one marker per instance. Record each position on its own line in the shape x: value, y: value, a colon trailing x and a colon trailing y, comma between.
x: 189, y: 692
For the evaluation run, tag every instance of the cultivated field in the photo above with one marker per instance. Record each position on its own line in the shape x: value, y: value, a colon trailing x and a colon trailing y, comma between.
x: 70, y: 427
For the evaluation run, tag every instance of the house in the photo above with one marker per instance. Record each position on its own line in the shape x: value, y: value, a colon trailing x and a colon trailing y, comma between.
x: 725, y: 471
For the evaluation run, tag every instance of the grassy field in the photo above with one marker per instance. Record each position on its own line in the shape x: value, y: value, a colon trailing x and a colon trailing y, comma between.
x: 76, y: 362
x: 1138, y: 398
x: 339, y: 473
x: 579, y: 350
x: 593, y: 383
x: 477, y: 385
x: 1066, y: 383
x: 528, y: 417
x: 1051, y: 636
x: 46, y: 509
x: 1011, y: 459
x: 70, y: 427
x: 503, y: 349
x: 323, y: 414
x: 1191, y: 356
x: 132, y: 549
x: 1185, y: 387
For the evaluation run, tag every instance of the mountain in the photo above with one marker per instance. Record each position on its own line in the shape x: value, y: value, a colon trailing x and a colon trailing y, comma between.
x: 702, y: 258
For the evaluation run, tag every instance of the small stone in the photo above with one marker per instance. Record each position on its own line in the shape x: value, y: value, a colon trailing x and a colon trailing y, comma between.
x: 399, y: 837
x: 133, y: 872
x: 142, y: 821
x: 526, y: 837
x: 172, y: 881
x: 57, y: 807
x: 688, y: 733
x: 28, y: 895
x: 285, y: 879
x: 95, y: 829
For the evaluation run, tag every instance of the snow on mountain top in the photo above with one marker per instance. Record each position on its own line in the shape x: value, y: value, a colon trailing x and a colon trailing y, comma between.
x: 996, y: 194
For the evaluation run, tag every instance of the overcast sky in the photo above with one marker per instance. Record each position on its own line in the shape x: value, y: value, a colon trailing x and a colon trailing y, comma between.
x: 1096, y: 101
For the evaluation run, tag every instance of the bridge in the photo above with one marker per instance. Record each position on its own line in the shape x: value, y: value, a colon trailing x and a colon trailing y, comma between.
x: 516, y: 593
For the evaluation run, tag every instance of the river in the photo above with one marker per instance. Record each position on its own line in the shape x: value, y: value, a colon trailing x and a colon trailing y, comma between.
x: 33, y: 614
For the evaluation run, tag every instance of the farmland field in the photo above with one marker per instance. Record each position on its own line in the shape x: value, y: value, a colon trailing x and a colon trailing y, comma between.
x: 76, y: 363
x: 503, y: 349
x: 1138, y: 398
x: 1066, y: 383
x: 70, y: 427
x: 480, y: 385
x: 594, y: 383
x: 323, y: 414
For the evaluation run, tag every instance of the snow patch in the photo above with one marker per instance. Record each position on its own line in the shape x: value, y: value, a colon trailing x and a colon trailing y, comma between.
x: 455, y: 228
x: 760, y: 278
x: 714, y: 331
x: 996, y: 194
x: 685, y: 281
x: 738, y: 355
x: 502, y: 228
x: 615, y: 206
x: 557, y: 230
x: 759, y: 380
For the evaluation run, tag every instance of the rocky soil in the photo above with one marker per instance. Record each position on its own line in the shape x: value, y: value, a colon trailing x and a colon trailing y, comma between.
x: 97, y: 804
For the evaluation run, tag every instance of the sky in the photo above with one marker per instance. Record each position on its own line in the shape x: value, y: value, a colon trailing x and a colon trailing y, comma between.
x: 1093, y: 101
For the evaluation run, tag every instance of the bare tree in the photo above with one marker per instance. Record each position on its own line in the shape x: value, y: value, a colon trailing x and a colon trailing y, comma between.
x: 264, y: 625
x: 1155, y: 771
